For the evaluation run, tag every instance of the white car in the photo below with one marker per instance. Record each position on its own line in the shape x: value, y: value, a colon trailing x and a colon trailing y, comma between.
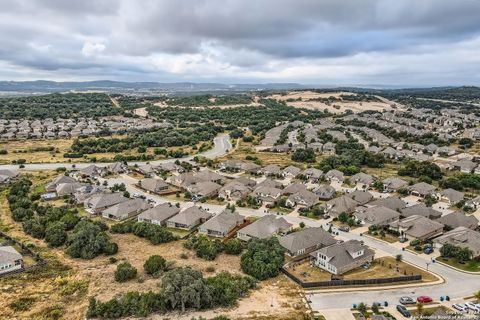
x: 460, y: 307
x: 472, y: 306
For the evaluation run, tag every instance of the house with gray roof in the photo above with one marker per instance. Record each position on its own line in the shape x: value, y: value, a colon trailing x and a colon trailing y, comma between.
x: 341, y: 204
x: 272, y: 170
x: 91, y: 171
x: 270, y: 184
x: 10, y: 259
x: 245, y: 181
x: 394, y: 203
x: 291, y: 171
x: 6, y: 175
x: 52, y: 185
x: 305, y: 241
x: 204, y: 189
x: 117, y: 167
x: 461, y: 237
x: 153, y: 185
x: 463, y: 165
x: 312, y: 174
x: 325, y: 192
x: 126, y: 209
x: 267, y: 195
x: 342, y: 257
x: 221, y: 224
x: 362, y: 197
x: 99, y: 202
x: 420, y: 209
x: 302, y: 198
x: 208, y: 175
x: 473, y: 203
x: 264, y: 227
x: 334, y: 175
x: 376, y: 216
x: 418, y: 228
x: 451, y: 196
x: 294, y: 188
x: 422, y: 189
x: 159, y: 214
x: 189, y: 218
x: 234, y: 191
x: 362, y: 180
x: 393, y: 184
x: 147, y: 169
x: 459, y: 219
x: 68, y: 189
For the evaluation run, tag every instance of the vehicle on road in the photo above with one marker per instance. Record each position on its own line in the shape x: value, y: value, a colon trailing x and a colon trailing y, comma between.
x: 424, y: 299
x: 407, y: 300
x: 403, y: 311
x: 460, y: 307
x: 344, y: 228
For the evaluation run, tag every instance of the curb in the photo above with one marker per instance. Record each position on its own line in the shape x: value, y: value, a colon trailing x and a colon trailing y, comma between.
x: 457, y: 269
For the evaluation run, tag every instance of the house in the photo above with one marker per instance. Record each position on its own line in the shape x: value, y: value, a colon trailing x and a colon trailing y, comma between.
x: 376, y: 216
x: 91, y: 171
x: 252, y: 168
x: 451, y: 196
x: 147, y: 169
x: 393, y: 203
x: 421, y: 189
x: 52, y: 186
x: 10, y: 259
x: 473, y: 203
x: 463, y: 165
x: 305, y: 241
x: 267, y: 195
x: 245, y: 181
x: 231, y: 165
x: 420, y: 209
x: 303, y: 198
x: 189, y: 218
x: 393, y: 184
x: 159, y: 214
x: 291, y: 171
x: 221, y: 224
x: 418, y: 227
x: 184, y: 180
x: 153, y: 185
x: 362, y: 197
x: 325, y: 192
x: 99, y: 202
x: 68, y: 189
x: 312, y: 174
x: 458, y: 219
x: 342, y: 257
x: 294, y: 188
x: 264, y: 227
x: 362, y: 180
x: 204, y: 189
x: 341, y: 204
x: 117, y: 167
x: 234, y: 191
x: 86, y: 192
x: 334, y: 175
x: 329, y: 148
x: 208, y: 175
x: 461, y: 237
x: 272, y: 170
x: 7, y: 175
x: 270, y: 184
x: 126, y: 209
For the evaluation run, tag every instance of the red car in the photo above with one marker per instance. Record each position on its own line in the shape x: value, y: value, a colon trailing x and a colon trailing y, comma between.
x: 424, y: 299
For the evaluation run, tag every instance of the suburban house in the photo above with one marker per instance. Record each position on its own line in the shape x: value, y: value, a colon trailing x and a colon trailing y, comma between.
x: 147, y: 169
x: 234, y: 191
x: 418, y: 227
x: 341, y: 204
x: 312, y: 174
x: 376, y: 216
x: 463, y: 165
x: 362, y: 180
x: 303, y: 198
x: 264, y: 227
x: 159, y: 214
x: 393, y: 203
x: 334, y: 175
x: 189, y: 218
x: 305, y: 241
x: 272, y: 170
x: 208, y: 175
x: 458, y: 219
x: 421, y: 189
x: 461, y: 237
x: 52, y: 186
x: 204, y: 189
x: 473, y: 203
x: 325, y: 192
x: 267, y: 195
x: 126, y: 209
x: 10, y: 259
x: 451, y: 196
x: 245, y: 181
x: 291, y: 172
x: 420, y: 209
x: 342, y: 257
x: 91, y: 171
x: 68, y: 189
x: 221, y: 224
x: 153, y: 185
x: 117, y: 167
x: 362, y: 197
x: 393, y: 184
x: 294, y: 188
x: 99, y: 202
x: 269, y: 183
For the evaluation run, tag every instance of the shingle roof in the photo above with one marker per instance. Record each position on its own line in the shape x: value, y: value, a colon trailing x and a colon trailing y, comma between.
x: 223, y: 222
x: 420, y: 209
x: 190, y: 215
x: 377, y: 215
x: 9, y: 254
x: 341, y: 254
x: 459, y: 219
x: 160, y: 212
x: 306, y: 238
x: 417, y: 226
x: 266, y: 226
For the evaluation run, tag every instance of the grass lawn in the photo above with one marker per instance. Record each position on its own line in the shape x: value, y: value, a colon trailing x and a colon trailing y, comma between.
x: 281, y: 210
x: 471, y: 266
x: 429, y: 311
x: 390, y: 238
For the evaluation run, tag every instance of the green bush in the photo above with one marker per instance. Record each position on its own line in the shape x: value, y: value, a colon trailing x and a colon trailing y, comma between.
x: 155, y: 265
x: 263, y: 259
x: 125, y: 271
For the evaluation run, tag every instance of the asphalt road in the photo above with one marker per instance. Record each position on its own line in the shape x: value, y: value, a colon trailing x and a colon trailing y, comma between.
x: 221, y: 146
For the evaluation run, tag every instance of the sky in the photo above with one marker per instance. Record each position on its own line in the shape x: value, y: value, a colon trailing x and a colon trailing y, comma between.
x: 321, y: 42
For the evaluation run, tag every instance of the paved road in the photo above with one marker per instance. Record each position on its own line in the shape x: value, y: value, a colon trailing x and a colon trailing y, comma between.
x: 221, y: 146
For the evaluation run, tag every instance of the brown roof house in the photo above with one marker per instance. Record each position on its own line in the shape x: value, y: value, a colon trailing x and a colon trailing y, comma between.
x: 305, y: 241
x: 342, y: 257
x: 341, y: 204
x: 376, y: 216
x: 126, y: 209
x: 325, y: 192
x: 189, y: 218
x: 418, y: 227
x: 159, y: 214
x: 221, y: 224
x: 204, y: 189
x: 58, y: 180
x: 461, y: 237
x: 451, y: 196
x: 421, y: 189
x: 267, y: 195
x: 362, y: 180
x: 264, y: 227
x: 234, y: 191
x: 458, y: 219
x: 393, y: 184
x: 99, y: 202
x: 420, y: 209
x: 303, y: 198
x: 153, y: 185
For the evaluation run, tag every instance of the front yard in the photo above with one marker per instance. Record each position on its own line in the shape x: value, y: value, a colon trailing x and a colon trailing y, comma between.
x: 471, y: 266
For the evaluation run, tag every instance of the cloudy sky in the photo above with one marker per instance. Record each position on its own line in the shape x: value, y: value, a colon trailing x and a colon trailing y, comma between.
x: 325, y: 42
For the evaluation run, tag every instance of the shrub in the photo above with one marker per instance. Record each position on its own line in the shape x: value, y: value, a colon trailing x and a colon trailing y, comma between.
x: 263, y: 258
x: 155, y: 265
x: 125, y: 271
x: 233, y: 246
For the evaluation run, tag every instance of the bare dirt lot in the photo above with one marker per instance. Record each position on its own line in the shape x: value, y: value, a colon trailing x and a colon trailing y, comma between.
x: 303, y: 99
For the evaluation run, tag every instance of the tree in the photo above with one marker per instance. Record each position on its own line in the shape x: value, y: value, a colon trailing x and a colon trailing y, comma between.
x: 125, y: 271
x: 88, y: 240
x: 302, y: 224
x: 343, y: 217
x: 56, y: 234
x: 398, y: 257
x: 304, y: 155
x: 155, y: 265
x: 233, y: 246
x: 263, y: 258
x: 362, y: 308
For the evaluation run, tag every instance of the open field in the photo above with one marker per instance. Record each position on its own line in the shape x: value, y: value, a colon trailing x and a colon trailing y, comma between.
x: 304, y: 99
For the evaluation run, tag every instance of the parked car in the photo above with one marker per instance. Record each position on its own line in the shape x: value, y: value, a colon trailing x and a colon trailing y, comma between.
x: 424, y: 299
x: 460, y: 307
x: 472, y: 306
x: 428, y: 250
x: 344, y: 229
x: 403, y: 311
x: 407, y: 300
